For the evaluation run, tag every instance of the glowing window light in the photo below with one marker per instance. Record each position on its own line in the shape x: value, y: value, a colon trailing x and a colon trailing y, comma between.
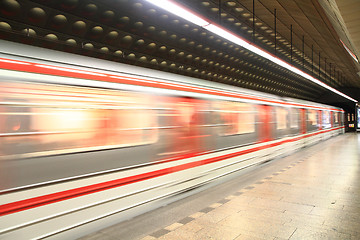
x: 186, y: 14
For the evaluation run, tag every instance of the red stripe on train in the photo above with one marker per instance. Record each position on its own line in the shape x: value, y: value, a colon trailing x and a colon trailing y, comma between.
x: 30, y: 203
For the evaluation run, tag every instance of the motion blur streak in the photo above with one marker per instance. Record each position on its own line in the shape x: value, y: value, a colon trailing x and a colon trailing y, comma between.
x: 81, y: 149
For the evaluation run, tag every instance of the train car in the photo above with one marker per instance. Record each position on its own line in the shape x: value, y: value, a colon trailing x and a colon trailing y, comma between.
x: 86, y: 143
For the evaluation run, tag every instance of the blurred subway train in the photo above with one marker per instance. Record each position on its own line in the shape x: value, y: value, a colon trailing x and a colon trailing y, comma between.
x: 86, y: 143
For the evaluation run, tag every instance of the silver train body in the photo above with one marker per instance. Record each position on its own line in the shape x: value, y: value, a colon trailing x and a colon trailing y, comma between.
x: 86, y: 143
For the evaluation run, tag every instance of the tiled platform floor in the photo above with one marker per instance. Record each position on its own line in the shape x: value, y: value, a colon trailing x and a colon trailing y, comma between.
x: 316, y: 196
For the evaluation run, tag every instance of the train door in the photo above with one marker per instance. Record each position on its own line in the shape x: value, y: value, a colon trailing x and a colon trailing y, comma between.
x: 320, y: 115
x: 184, y: 133
x: 188, y: 119
x: 303, y: 120
x: 266, y: 123
x: 106, y: 126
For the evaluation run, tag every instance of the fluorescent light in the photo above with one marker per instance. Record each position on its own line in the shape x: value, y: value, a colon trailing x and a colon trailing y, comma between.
x: 179, y: 11
x: 237, y: 40
x: 225, y: 34
x: 350, y: 52
x: 186, y: 14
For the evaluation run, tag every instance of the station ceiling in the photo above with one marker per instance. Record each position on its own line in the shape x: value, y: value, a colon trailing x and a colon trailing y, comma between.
x: 308, y: 34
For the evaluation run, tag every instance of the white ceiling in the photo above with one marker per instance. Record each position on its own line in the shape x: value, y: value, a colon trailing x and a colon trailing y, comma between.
x: 345, y: 18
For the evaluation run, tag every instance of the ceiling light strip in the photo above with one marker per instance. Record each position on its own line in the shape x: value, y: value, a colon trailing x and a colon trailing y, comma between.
x: 192, y: 17
x: 350, y: 52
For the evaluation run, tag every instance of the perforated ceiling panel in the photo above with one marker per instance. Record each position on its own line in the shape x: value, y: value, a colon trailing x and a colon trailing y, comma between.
x: 136, y: 32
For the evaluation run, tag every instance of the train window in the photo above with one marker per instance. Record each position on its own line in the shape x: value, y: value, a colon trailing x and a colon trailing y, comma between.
x: 236, y: 118
x: 312, y: 120
x: 246, y: 121
x: 287, y: 121
x: 75, y: 118
x: 62, y: 124
x: 337, y: 120
x: 312, y: 117
x: 326, y: 119
x: 336, y: 117
x: 281, y: 118
x: 135, y: 126
x: 228, y: 117
x: 294, y: 117
x: 16, y: 117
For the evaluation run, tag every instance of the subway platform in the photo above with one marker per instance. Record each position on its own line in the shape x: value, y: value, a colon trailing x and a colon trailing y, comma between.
x: 311, y: 194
